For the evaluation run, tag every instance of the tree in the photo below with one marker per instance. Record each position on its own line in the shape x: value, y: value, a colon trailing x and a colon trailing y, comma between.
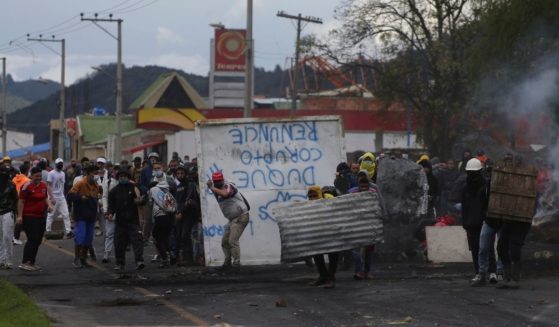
x: 423, y: 43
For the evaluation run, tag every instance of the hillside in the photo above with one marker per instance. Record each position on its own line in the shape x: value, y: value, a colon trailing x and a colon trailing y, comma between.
x: 14, y: 103
x: 98, y: 90
x: 31, y: 90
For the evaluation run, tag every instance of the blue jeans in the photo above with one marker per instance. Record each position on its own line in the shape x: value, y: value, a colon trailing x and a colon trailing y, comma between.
x: 362, y: 258
x: 83, y: 232
x: 487, y: 260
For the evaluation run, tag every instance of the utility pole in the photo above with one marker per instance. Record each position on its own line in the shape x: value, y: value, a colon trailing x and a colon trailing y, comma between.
x: 249, y: 63
x: 4, y: 109
x: 62, y: 100
x: 299, y: 18
x: 118, y: 115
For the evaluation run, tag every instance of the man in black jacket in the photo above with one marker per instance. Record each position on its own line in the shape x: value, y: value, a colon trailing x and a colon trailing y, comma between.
x: 124, y: 200
x: 188, y: 213
x: 475, y: 201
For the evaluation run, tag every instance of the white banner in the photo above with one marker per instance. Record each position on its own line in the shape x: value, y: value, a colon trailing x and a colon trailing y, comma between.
x: 271, y: 161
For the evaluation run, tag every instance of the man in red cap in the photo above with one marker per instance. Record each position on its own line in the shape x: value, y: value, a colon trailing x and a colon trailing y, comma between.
x: 235, y: 208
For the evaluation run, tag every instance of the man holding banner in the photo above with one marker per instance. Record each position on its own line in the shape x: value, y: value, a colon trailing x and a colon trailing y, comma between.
x: 235, y: 208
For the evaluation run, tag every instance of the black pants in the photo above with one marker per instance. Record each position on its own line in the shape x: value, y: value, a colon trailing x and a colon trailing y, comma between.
x: 34, y: 229
x: 128, y: 234
x: 162, y: 232
x: 330, y: 272
x: 183, y: 238
x: 473, y: 244
x: 511, y: 240
x: 17, y: 231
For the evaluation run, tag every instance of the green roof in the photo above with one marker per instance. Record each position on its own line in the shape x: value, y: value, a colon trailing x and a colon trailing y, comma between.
x: 126, y: 134
x: 96, y: 128
x: 169, y: 90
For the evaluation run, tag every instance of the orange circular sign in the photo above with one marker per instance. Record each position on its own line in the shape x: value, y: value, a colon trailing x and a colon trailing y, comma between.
x: 231, y: 45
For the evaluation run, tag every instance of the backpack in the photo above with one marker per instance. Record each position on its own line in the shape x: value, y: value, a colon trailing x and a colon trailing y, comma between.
x: 166, y: 201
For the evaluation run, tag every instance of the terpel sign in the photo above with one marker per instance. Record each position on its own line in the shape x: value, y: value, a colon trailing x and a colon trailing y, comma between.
x: 230, y: 46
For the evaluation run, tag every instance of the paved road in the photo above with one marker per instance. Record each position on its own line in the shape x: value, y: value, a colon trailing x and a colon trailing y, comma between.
x: 400, y: 294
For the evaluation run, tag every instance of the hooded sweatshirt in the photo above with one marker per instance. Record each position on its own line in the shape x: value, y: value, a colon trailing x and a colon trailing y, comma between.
x: 156, y: 196
x: 369, y: 166
x: 20, y: 180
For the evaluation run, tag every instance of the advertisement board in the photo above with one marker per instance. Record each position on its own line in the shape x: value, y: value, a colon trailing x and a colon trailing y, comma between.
x: 230, y: 46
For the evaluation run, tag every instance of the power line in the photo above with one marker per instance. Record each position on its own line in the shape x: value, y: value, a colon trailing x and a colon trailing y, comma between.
x: 299, y: 18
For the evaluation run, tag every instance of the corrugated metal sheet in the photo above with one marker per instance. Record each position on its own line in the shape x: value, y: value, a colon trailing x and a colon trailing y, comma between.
x: 329, y: 225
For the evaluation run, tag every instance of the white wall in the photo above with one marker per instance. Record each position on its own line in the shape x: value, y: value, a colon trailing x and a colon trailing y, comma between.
x: 182, y: 142
x: 268, y: 170
x: 18, y: 140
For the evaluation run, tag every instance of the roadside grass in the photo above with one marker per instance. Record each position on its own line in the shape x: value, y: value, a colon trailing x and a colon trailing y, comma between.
x: 17, y: 309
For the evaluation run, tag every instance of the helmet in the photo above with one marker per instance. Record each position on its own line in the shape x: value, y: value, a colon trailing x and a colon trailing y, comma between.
x: 474, y: 165
x: 153, y: 154
x: 217, y: 176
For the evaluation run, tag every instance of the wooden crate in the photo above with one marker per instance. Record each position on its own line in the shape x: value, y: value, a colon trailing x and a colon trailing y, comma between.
x: 513, y: 193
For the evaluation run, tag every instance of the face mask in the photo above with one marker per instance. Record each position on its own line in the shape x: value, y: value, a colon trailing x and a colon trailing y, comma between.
x: 59, y: 166
x: 158, y: 173
x: 123, y: 180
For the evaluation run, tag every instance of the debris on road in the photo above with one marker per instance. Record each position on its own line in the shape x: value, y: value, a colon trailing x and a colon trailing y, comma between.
x: 404, y: 321
x: 281, y: 303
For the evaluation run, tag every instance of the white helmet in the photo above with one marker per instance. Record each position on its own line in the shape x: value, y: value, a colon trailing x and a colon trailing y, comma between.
x: 474, y: 165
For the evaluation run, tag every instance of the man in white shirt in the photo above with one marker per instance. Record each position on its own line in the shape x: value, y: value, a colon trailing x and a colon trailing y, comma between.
x: 56, y: 180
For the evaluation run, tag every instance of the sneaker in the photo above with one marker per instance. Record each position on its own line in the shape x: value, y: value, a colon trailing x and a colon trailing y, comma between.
x: 69, y: 235
x: 318, y: 282
x: 140, y: 265
x: 478, y: 280
x: 359, y: 276
x: 493, y: 278
x: 98, y: 233
x: 26, y: 267
x: 77, y: 263
x: 155, y: 258
x: 119, y: 268
x: 330, y: 284
x: 500, y: 277
x: 17, y: 242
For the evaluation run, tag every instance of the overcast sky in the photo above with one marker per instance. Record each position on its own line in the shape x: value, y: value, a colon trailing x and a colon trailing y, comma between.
x: 172, y: 33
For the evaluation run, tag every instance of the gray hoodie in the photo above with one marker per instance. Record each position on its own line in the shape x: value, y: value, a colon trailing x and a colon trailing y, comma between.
x: 156, y: 195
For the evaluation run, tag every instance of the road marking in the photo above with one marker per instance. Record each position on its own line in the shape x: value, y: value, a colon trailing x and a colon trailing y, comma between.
x: 171, y: 306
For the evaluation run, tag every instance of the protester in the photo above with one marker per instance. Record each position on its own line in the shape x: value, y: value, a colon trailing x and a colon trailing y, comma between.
x: 236, y: 209
x: 110, y: 183
x: 56, y: 180
x: 8, y: 209
x: 474, y: 199
x: 368, y: 162
x: 102, y: 179
x: 188, y: 213
x: 362, y: 256
x: 31, y: 214
x: 123, y: 207
x: 344, y: 180
x: 466, y: 156
x: 326, y: 276
x: 7, y: 163
x: 19, y: 180
x: 161, y: 199
x: 85, y: 197
x: 146, y: 178
x: 137, y: 170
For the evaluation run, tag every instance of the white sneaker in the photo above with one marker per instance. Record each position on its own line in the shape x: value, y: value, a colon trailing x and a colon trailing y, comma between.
x: 493, y: 278
x: 26, y: 267
x: 17, y: 242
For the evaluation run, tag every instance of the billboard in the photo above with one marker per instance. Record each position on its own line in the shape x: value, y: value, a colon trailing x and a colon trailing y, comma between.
x: 230, y: 46
x: 271, y: 161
